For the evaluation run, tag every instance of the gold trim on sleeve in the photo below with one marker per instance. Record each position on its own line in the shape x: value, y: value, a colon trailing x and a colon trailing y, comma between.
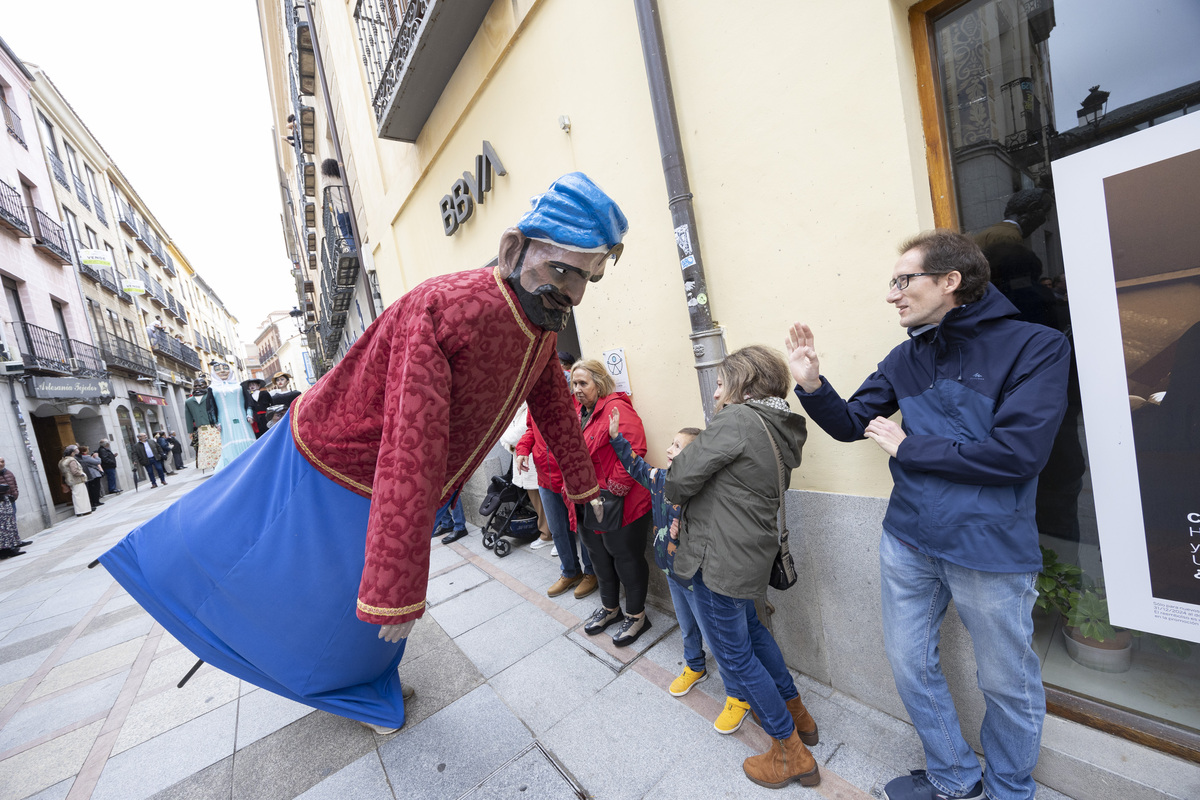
x: 389, y: 612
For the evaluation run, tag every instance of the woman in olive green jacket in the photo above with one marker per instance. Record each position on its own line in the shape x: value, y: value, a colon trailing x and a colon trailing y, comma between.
x: 728, y: 481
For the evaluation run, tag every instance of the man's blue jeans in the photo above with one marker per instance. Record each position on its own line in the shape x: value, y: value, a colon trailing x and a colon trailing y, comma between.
x: 746, y: 651
x: 449, y: 515
x: 996, y: 608
x: 155, y: 466
x: 111, y: 474
x: 564, y: 537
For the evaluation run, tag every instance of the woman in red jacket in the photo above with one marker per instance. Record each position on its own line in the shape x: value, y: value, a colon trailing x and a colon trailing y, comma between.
x: 618, y: 555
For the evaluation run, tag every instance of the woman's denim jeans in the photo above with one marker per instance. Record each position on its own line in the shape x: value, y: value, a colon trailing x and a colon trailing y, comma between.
x: 747, y: 651
x: 996, y: 608
x: 564, y: 537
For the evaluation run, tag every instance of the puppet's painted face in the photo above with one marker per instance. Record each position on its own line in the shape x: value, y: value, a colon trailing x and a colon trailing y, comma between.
x: 222, y: 371
x: 550, y: 281
x: 199, y: 386
x: 281, y: 383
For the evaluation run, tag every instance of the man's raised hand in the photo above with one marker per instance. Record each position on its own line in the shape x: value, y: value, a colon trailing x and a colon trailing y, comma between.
x: 802, y: 357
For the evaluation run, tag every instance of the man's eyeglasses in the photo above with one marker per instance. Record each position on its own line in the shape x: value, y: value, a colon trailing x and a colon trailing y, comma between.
x: 901, y: 281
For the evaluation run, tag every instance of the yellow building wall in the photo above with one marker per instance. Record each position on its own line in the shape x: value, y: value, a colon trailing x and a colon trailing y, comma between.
x: 802, y: 136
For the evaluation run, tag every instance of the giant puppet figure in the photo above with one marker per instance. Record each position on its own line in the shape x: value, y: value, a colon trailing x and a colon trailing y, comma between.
x: 302, y: 565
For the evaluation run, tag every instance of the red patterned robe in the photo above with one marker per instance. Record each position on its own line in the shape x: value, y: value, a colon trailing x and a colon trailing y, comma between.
x: 414, y: 407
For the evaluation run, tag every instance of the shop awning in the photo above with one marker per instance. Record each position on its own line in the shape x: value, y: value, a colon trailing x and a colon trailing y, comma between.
x: 147, y: 399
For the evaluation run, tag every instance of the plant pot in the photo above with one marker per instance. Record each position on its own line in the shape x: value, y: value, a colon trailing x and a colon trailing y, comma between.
x: 1111, y: 655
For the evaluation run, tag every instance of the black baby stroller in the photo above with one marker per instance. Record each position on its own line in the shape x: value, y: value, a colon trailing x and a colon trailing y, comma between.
x: 509, y: 513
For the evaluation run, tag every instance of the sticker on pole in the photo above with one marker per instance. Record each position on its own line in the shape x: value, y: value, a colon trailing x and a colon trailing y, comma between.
x: 690, y: 261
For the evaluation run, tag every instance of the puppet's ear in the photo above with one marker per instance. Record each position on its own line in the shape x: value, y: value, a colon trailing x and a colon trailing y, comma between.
x: 511, y: 242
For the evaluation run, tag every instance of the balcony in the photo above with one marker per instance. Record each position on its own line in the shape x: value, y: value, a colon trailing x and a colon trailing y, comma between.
x: 300, y: 34
x: 174, y: 349
x: 48, y: 236
x: 126, y: 217
x: 41, y: 349
x: 169, y: 266
x: 339, y: 297
x: 156, y: 251
x: 88, y: 271
x: 408, y: 65
x: 81, y: 190
x: 310, y: 215
x: 86, y: 361
x: 98, y: 207
x: 12, y: 212
x: 108, y: 283
x: 56, y: 166
x: 143, y: 235
x: 127, y: 356
x: 307, y: 173
x: 339, y: 236
x: 13, y: 123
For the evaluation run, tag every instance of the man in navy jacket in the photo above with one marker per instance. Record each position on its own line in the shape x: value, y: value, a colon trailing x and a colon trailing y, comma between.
x: 982, y: 396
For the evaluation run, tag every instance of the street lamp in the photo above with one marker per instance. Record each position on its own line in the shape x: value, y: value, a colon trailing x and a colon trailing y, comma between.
x: 1093, y: 107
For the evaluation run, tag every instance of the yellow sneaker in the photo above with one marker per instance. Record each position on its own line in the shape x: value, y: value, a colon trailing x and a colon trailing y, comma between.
x: 732, y: 717
x: 684, y: 683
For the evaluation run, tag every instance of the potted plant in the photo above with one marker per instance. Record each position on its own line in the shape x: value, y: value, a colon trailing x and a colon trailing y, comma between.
x: 1090, y: 638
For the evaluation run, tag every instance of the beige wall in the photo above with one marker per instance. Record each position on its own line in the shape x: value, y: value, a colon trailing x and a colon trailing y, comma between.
x: 803, y: 141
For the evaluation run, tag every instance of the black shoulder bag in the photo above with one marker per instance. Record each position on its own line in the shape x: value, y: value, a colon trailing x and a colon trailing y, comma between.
x: 783, y: 569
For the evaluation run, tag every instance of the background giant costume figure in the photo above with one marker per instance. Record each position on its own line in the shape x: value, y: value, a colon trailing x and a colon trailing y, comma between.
x: 232, y: 414
x: 200, y: 419
x: 275, y: 567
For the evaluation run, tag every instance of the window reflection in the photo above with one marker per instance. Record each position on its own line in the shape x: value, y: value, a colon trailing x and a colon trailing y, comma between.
x: 1024, y: 83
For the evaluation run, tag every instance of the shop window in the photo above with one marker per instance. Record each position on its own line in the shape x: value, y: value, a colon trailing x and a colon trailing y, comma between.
x: 1011, y: 90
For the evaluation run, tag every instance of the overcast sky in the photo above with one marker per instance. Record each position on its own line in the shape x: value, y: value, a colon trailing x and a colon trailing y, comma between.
x: 177, y: 95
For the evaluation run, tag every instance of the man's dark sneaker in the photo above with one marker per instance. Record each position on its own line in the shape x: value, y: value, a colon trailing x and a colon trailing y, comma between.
x: 440, y: 532
x: 631, y: 629
x: 915, y: 786
x: 601, y: 618
x: 454, y: 536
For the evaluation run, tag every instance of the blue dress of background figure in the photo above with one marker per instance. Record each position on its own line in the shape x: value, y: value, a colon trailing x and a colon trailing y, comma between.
x: 236, y: 433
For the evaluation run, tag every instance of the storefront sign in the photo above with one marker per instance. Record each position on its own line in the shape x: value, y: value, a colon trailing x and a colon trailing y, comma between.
x: 1129, y: 239
x: 458, y: 206
x: 148, y: 400
x: 69, y: 388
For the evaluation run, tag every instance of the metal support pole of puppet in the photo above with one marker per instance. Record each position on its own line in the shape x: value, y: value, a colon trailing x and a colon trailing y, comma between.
x: 337, y: 149
x: 34, y: 469
x: 708, y: 342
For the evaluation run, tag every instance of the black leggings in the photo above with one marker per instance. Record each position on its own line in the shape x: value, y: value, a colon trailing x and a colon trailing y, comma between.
x: 619, y: 558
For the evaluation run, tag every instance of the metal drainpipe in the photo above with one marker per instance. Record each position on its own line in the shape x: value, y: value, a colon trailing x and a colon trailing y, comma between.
x: 708, y: 342
x: 337, y: 149
x: 47, y: 520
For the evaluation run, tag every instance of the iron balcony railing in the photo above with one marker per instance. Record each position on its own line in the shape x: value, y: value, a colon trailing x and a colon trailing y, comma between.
x: 143, y: 234
x: 156, y: 251
x: 109, y: 282
x: 12, y: 211
x: 126, y: 217
x: 48, y: 235
x: 387, y: 31
x: 300, y: 35
x: 86, y: 362
x: 13, y: 123
x: 169, y: 266
x: 98, y: 207
x: 339, y: 236
x: 174, y: 349
x: 41, y: 348
x: 339, y: 297
x: 56, y: 166
x: 126, y: 355
x: 81, y: 190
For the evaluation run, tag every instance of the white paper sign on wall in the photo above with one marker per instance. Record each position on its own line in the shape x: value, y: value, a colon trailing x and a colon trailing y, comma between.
x: 614, y: 362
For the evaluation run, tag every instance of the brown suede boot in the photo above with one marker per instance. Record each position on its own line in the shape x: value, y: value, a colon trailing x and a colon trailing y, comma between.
x: 788, y: 760
x: 806, y: 726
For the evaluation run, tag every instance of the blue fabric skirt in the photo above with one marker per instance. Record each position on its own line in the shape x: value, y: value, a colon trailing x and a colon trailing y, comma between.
x: 257, y: 570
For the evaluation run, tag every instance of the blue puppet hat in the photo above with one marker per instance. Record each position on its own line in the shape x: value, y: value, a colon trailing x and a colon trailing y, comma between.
x: 575, y: 214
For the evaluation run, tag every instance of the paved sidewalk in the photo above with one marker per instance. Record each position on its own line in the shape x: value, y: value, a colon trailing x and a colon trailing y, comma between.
x: 513, y: 700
